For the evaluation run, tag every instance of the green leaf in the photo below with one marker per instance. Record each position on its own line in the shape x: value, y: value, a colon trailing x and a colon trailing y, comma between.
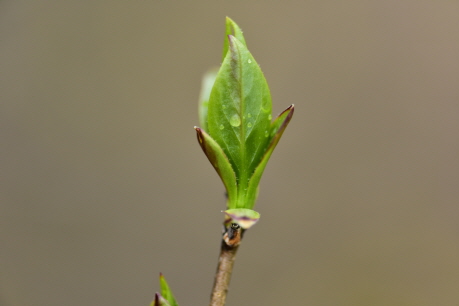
x: 166, y: 292
x: 239, y: 114
x: 207, y: 83
x: 220, y: 161
x: 245, y: 218
x: 232, y: 29
x: 277, y: 128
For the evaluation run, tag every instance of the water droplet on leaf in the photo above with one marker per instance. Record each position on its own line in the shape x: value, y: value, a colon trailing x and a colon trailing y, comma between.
x: 249, y: 115
x: 270, y: 117
x: 235, y: 120
x: 249, y: 61
x: 249, y: 125
x: 266, y: 133
x: 221, y: 127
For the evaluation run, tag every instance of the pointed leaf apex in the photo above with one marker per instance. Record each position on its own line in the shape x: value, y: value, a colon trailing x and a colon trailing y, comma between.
x: 166, y: 297
x: 232, y: 29
x: 200, y: 137
x: 290, y: 109
x: 156, y: 301
x: 232, y: 40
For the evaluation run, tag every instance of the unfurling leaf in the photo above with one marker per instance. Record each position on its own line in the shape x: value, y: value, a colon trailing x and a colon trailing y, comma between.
x: 239, y: 115
x: 236, y: 131
x: 166, y: 292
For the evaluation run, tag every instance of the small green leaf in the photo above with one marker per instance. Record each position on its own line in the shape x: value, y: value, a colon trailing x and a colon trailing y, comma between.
x: 207, y: 83
x: 166, y: 293
x: 239, y: 114
x: 232, y: 29
x: 245, y: 218
x: 220, y: 161
x: 277, y: 128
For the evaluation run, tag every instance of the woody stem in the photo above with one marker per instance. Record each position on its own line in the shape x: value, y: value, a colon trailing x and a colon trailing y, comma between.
x: 223, y: 274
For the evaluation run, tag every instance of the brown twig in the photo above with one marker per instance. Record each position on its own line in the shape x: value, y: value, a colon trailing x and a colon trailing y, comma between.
x: 223, y: 274
x: 232, y: 237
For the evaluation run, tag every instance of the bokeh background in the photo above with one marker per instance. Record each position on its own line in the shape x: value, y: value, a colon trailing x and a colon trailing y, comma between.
x: 103, y: 184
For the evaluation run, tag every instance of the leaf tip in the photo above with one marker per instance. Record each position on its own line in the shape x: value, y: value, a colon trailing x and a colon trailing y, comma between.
x: 231, y: 39
x: 290, y: 108
x: 199, y: 134
x: 156, y: 302
x: 290, y: 111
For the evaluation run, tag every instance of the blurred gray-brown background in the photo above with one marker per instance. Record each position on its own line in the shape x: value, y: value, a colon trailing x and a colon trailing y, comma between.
x: 103, y: 184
